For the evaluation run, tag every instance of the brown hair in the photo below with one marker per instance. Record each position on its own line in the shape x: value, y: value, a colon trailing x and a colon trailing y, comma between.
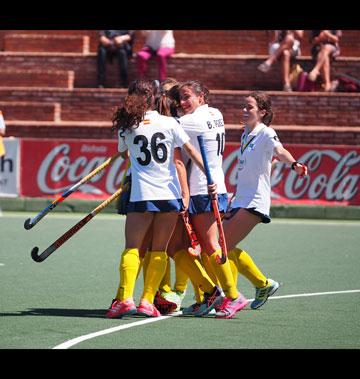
x: 263, y: 102
x: 140, y: 98
x: 166, y: 102
x: 197, y: 88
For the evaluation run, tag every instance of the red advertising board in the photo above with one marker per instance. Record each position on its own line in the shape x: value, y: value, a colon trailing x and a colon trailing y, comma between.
x: 50, y: 167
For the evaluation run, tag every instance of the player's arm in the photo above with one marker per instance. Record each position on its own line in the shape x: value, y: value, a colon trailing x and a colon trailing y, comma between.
x: 286, y: 157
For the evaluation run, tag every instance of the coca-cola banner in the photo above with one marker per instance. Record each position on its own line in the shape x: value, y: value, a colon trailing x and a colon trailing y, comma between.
x: 333, y: 176
x: 50, y: 167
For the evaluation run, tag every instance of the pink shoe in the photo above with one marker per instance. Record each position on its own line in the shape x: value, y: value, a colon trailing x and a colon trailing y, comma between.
x: 147, y: 309
x: 121, y: 308
x: 229, y: 306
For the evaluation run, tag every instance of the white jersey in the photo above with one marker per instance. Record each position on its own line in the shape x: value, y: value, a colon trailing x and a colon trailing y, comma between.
x: 254, y: 168
x: 151, y: 147
x: 209, y: 123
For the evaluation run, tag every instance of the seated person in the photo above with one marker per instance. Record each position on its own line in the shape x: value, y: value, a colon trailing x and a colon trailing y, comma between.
x: 325, y: 48
x: 118, y: 44
x: 285, y: 47
x: 158, y: 43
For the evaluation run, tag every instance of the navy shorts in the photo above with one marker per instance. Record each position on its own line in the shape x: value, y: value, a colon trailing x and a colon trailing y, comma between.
x: 264, y: 218
x: 175, y: 205
x: 202, y: 203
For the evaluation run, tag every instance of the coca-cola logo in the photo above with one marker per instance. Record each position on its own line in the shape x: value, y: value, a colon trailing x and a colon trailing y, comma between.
x: 334, y: 173
x: 57, y: 167
x: 329, y: 178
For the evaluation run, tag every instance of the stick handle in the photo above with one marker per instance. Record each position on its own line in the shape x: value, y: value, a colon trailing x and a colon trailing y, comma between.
x: 206, y: 163
x: 29, y: 223
x: 214, y: 203
x: 67, y: 235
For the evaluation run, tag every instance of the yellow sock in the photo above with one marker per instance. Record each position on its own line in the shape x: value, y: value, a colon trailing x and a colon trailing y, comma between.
x: 209, y: 269
x: 140, y: 266
x: 165, y: 285
x: 145, y: 264
x: 199, y: 295
x: 248, y: 268
x: 128, y: 268
x: 154, y: 273
x: 225, y: 276
x: 194, y: 269
x: 181, y: 279
x: 234, y: 269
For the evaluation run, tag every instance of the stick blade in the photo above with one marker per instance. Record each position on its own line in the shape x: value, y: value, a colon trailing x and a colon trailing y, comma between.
x: 35, y: 256
x: 221, y: 260
x: 27, y: 224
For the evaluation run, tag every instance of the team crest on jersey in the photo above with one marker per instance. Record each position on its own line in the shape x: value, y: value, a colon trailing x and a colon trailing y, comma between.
x: 146, y: 122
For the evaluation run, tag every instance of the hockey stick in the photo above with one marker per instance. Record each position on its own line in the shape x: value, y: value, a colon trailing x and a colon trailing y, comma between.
x: 29, y: 223
x: 214, y: 203
x: 66, y: 236
x: 195, y: 248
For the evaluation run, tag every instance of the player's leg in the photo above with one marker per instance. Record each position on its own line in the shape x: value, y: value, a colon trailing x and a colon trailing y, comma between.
x: 130, y: 263
x: 206, y: 230
x: 236, y: 228
x: 164, y: 224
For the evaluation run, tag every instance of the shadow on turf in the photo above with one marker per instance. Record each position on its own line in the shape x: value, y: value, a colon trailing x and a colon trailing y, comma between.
x: 61, y: 312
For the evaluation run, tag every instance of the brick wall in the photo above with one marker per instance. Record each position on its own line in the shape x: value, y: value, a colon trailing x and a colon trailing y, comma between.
x: 323, y: 109
x: 12, y: 77
x: 27, y: 110
x: 210, y: 41
x: 217, y: 72
x: 46, y: 43
x: 102, y: 130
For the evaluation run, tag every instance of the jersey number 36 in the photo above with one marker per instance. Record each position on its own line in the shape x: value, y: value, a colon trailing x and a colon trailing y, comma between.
x: 157, y: 151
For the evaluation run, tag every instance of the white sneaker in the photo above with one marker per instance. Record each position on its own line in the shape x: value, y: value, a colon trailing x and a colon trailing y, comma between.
x: 262, y: 294
x: 181, y: 296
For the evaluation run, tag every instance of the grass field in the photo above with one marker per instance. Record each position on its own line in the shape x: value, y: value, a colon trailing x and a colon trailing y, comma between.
x: 61, y: 302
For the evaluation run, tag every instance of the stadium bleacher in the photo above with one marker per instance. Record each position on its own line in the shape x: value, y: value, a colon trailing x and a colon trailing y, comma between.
x: 48, y: 84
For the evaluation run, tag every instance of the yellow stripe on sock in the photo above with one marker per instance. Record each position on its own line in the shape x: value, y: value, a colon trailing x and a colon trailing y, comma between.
x: 225, y: 276
x: 128, y: 268
x: 154, y: 274
x: 248, y: 268
x: 194, y: 269
x: 181, y: 279
x: 165, y: 285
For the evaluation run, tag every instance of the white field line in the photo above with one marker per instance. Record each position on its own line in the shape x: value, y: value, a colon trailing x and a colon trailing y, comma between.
x: 74, y: 341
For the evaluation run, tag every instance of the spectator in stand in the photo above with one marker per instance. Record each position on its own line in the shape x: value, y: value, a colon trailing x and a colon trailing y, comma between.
x: 285, y: 47
x: 325, y: 49
x: 158, y: 43
x: 114, y: 44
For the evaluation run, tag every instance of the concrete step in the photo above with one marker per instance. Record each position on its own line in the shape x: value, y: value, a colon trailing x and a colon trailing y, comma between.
x: 216, y: 71
x: 30, y: 110
x: 46, y: 43
x: 24, y: 78
x: 209, y: 41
